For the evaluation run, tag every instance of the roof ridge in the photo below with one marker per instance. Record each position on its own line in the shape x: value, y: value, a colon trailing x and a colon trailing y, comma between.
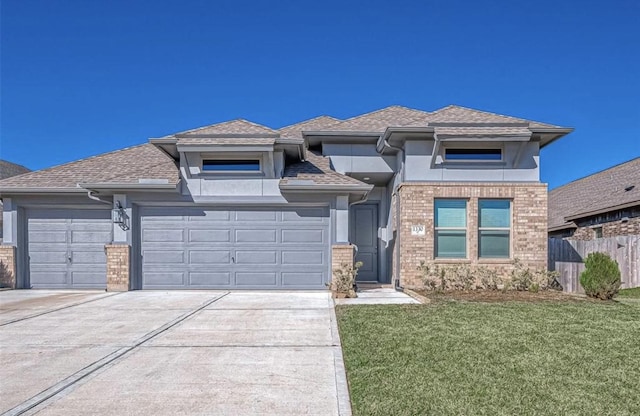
x: 308, y: 120
x: 492, y: 113
x: 595, y: 173
x: 243, y: 120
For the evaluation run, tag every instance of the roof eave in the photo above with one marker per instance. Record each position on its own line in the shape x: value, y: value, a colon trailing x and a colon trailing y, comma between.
x: 326, y: 188
x: 556, y: 132
x: 562, y: 227
x: 129, y: 186
x: 602, y: 211
x: 41, y: 190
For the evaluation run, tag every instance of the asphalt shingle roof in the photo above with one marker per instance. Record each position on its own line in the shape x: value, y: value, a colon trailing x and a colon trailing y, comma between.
x: 379, y: 120
x: 458, y: 114
x: 238, y: 126
x: 316, y: 168
x: 601, y: 191
x: 8, y: 169
x: 315, y: 124
x: 126, y: 166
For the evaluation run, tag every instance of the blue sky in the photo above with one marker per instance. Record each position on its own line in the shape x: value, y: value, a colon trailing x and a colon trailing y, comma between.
x: 81, y: 77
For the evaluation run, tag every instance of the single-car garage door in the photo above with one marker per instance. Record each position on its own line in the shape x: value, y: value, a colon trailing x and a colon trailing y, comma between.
x: 66, y: 248
x: 286, y: 248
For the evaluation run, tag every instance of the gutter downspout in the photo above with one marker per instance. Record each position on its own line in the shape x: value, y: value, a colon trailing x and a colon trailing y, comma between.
x: 91, y: 195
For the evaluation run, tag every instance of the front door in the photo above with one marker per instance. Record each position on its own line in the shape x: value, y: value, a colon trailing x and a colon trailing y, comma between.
x: 364, y: 234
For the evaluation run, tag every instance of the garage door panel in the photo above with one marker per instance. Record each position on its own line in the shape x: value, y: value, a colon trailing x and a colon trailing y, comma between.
x: 210, y: 215
x: 49, y: 278
x: 256, y: 257
x: 164, y: 279
x: 256, y: 279
x: 255, y: 236
x: 38, y: 236
x: 253, y: 216
x: 209, y: 257
x: 163, y: 257
x: 305, y: 215
x: 302, y: 257
x: 210, y: 236
x: 85, y: 279
x: 163, y: 235
x: 302, y: 236
x: 297, y: 279
x: 96, y: 237
x: 208, y: 279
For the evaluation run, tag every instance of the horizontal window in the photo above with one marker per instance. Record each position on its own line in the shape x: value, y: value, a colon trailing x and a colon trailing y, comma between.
x: 230, y: 165
x: 450, y: 228
x: 473, y: 154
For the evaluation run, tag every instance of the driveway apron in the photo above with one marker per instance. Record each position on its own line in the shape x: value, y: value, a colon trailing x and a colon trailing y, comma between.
x: 180, y: 352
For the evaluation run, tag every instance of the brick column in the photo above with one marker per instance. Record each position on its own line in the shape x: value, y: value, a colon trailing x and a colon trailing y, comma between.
x: 8, y: 272
x: 341, y: 254
x: 118, y: 264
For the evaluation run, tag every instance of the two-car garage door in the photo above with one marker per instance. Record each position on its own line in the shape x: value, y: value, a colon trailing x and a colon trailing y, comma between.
x: 234, y: 248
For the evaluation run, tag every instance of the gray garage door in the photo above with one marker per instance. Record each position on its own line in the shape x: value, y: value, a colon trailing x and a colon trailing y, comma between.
x: 66, y: 248
x: 235, y: 248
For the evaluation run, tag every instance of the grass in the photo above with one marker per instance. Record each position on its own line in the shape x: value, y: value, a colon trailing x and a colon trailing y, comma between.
x: 477, y: 358
x: 633, y: 293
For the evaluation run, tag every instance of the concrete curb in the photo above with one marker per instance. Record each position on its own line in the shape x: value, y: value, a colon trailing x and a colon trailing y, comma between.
x: 342, y: 386
x: 416, y: 296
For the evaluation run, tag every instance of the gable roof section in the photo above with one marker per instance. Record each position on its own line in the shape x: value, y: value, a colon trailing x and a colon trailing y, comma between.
x: 598, y: 193
x: 379, y: 120
x: 126, y: 166
x: 8, y: 169
x: 314, y: 124
x: 233, y: 127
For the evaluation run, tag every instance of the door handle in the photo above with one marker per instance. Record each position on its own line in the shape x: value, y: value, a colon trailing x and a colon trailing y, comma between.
x: 233, y: 260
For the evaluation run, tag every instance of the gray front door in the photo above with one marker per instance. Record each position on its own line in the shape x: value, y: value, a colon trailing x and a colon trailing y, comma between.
x: 364, y: 234
x: 66, y: 248
x: 251, y: 248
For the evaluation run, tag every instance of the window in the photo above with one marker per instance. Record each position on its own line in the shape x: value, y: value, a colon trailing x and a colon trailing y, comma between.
x: 494, y: 228
x: 230, y: 165
x: 597, y: 232
x: 451, y: 228
x: 473, y: 154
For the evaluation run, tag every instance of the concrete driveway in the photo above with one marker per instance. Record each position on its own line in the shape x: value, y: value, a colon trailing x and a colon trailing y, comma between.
x: 174, y: 352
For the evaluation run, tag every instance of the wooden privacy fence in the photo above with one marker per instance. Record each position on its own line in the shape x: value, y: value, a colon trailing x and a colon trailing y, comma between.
x: 567, y: 258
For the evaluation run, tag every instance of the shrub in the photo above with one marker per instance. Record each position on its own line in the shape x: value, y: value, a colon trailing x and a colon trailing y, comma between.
x: 344, y: 279
x: 601, y: 276
x: 526, y: 279
x: 5, y: 275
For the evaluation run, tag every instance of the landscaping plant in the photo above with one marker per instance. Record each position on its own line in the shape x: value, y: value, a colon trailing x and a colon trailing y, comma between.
x: 344, y: 279
x: 601, y: 276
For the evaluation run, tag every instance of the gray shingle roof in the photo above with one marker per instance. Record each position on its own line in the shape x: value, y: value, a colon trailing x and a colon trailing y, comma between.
x: 458, y: 114
x: 122, y: 166
x: 481, y: 131
x: 599, y: 192
x: 227, y: 140
x: 317, y: 169
x: 379, y: 120
x: 8, y: 169
x: 314, y: 124
x: 238, y: 126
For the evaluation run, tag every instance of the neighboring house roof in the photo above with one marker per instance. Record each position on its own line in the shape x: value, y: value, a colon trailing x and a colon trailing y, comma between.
x: 315, y: 124
x: 131, y: 165
x: 615, y: 188
x: 316, y: 168
x: 8, y: 169
x: 233, y: 127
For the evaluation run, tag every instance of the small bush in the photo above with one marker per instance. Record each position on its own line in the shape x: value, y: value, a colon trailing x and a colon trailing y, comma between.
x: 5, y: 275
x: 344, y: 279
x: 601, y: 276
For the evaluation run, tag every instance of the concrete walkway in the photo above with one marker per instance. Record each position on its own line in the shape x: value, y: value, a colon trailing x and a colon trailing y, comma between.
x: 378, y: 296
x: 167, y: 353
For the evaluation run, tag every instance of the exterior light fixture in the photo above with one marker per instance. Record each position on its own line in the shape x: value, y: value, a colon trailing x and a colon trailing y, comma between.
x: 119, y: 216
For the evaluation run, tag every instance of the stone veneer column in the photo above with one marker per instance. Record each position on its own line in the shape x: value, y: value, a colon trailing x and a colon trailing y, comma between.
x: 8, y: 259
x: 341, y: 254
x: 118, y: 266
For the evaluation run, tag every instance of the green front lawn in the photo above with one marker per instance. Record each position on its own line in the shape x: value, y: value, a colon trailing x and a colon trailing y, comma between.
x: 630, y: 293
x: 509, y: 358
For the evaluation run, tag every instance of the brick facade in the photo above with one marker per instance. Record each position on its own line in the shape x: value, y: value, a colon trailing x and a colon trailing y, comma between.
x: 118, y: 267
x: 341, y: 254
x: 8, y: 259
x: 528, y: 226
x: 609, y: 229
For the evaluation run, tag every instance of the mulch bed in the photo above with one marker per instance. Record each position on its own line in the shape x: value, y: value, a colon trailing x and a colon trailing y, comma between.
x: 492, y: 296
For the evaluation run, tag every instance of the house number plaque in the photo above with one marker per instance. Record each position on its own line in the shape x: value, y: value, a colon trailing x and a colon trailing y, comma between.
x: 418, y: 229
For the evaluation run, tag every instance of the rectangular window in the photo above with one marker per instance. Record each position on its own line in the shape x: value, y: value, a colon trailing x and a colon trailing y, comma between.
x: 597, y: 232
x: 473, y: 154
x: 494, y: 228
x: 230, y: 165
x: 451, y: 228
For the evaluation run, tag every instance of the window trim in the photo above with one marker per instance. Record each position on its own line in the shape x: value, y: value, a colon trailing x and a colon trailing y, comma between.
x: 479, y: 150
x: 508, y: 229
x: 230, y: 173
x: 230, y: 161
x: 437, y: 228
